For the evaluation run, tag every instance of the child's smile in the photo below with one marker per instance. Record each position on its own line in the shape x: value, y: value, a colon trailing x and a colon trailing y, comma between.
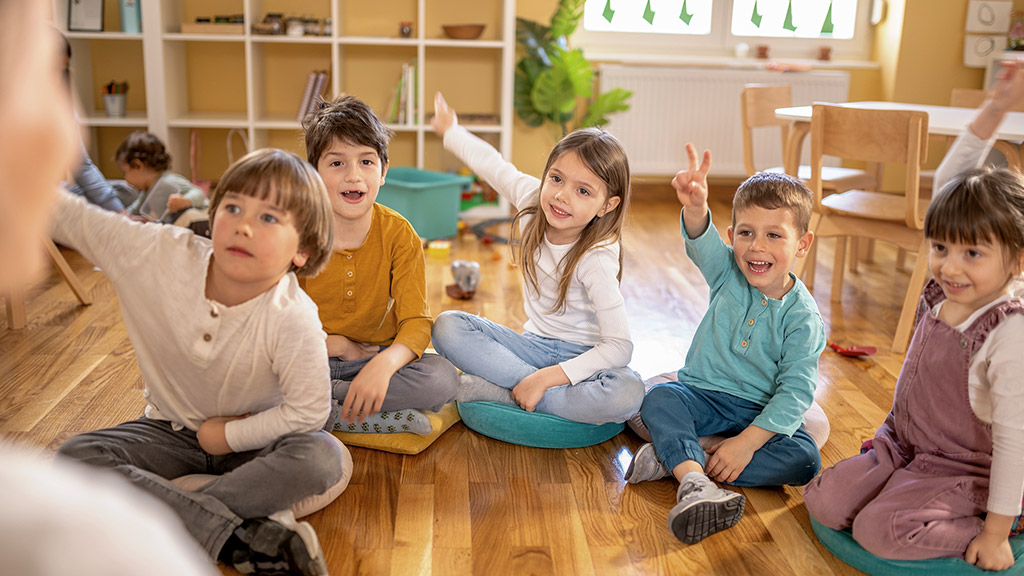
x: 971, y: 275
x: 765, y: 244
x: 570, y: 197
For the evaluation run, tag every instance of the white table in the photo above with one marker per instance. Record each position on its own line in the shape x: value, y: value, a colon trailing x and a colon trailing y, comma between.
x: 942, y: 121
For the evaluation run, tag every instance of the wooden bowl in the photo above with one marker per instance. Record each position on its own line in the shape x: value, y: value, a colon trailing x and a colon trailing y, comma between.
x: 463, y: 31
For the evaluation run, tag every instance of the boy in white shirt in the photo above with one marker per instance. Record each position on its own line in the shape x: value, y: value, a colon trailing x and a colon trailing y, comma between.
x: 233, y: 358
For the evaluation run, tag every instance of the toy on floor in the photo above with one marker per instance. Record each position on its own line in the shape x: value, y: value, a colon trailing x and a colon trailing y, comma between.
x: 852, y: 350
x: 467, y: 277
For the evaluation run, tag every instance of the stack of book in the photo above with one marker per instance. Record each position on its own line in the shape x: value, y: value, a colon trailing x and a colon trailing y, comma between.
x: 403, y: 106
x: 315, y: 84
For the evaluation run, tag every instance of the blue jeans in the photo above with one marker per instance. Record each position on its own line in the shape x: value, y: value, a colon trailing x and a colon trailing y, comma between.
x: 504, y: 357
x: 253, y: 484
x: 677, y: 414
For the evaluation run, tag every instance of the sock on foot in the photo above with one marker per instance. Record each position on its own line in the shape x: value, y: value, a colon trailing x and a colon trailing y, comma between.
x: 473, y: 388
x: 393, y: 422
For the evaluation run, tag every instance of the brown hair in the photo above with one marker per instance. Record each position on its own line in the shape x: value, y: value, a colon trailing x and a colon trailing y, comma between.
x: 291, y: 183
x: 773, y: 190
x: 979, y: 205
x: 603, y: 155
x: 346, y: 119
x: 146, y: 148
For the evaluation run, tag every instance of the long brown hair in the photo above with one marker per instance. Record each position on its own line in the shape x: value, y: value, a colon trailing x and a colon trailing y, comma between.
x: 602, y: 154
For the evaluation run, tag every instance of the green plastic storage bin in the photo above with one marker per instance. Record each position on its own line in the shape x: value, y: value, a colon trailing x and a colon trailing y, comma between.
x: 429, y: 200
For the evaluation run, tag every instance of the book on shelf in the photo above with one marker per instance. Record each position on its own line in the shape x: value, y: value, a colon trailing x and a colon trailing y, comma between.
x: 402, y: 107
x: 316, y: 81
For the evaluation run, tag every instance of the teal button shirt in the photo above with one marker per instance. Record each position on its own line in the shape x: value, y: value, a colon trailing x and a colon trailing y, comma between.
x: 752, y: 346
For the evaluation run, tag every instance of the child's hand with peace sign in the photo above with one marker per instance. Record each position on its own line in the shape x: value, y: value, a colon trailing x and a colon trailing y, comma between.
x: 691, y: 187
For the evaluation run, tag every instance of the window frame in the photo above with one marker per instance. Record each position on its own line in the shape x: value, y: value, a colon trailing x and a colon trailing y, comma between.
x: 722, y: 43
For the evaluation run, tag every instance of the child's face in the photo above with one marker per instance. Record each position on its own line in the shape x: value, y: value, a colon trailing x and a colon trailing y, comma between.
x: 766, y: 243
x: 570, y: 196
x: 137, y: 175
x: 971, y: 275
x: 353, y: 174
x: 254, y: 244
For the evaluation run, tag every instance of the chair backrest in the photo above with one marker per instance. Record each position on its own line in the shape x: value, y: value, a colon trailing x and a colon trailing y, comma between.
x: 890, y: 136
x: 967, y: 97
x: 757, y: 107
x: 974, y: 98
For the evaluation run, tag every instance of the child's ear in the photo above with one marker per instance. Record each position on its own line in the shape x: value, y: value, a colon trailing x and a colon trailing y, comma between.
x: 729, y: 232
x: 804, y: 244
x: 300, y: 258
x: 609, y: 205
x: 384, y: 171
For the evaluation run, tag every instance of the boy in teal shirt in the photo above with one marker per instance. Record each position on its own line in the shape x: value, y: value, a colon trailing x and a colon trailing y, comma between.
x: 751, y: 371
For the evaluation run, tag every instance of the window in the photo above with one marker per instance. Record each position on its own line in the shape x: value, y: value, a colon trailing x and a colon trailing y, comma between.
x: 794, y: 18
x: 666, y: 29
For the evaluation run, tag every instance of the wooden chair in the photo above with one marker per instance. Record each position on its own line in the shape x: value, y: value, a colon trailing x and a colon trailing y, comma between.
x: 882, y: 136
x: 16, y: 316
x: 757, y: 105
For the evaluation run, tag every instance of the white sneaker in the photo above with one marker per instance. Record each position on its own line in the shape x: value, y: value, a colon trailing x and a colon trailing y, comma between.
x: 703, y: 509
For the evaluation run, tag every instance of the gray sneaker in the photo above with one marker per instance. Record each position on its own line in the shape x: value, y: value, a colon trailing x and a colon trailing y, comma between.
x: 645, y: 466
x: 703, y: 509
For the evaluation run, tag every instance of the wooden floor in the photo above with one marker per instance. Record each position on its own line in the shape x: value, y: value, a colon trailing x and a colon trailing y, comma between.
x: 472, y: 505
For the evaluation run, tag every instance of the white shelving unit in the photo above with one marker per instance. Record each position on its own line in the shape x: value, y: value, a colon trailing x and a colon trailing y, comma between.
x: 243, y: 100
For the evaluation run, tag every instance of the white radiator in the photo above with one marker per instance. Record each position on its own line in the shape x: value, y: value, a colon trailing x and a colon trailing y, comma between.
x: 673, y: 105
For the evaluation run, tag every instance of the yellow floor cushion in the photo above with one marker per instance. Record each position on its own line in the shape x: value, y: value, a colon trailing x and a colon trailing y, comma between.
x: 403, y: 442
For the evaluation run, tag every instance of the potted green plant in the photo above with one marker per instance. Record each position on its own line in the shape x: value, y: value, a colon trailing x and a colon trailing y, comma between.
x: 554, y: 82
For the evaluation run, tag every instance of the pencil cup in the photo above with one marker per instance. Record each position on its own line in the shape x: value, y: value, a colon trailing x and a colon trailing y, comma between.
x: 114, y: 104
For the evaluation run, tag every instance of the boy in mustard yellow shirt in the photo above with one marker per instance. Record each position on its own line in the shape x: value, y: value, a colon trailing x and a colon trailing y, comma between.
x: 372, y: 295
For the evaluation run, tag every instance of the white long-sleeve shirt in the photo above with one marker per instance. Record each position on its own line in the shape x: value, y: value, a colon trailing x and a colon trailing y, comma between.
x: 199, y: 358
x: 996, y: 396
x: 594, y: 313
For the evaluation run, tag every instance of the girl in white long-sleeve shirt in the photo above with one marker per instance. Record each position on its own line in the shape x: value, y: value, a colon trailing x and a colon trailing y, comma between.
x: 571, y: 360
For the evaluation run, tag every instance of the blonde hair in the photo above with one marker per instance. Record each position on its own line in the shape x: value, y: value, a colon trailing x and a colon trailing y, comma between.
x: 603, y: 155
x: 294, y: 185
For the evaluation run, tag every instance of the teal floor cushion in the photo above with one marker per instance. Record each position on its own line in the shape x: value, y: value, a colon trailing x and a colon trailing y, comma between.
x: 841, y: 544
x: 517, y: 426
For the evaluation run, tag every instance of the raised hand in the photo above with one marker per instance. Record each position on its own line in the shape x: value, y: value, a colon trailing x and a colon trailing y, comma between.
x: 691, y: 185
x: 1009, y: 90
x: 444, y: 116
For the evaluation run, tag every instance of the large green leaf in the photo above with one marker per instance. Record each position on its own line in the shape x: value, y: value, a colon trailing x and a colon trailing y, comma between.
x: 577, y: 70
x: 526, y: 73
x: 552, y: 93
x: 606, y: 103
x: 535, y: 38
x: 566, y: 18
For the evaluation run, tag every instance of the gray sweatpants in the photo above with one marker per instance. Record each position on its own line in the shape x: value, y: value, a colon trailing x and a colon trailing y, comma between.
x: 253, y: 484
x: 425, y: 384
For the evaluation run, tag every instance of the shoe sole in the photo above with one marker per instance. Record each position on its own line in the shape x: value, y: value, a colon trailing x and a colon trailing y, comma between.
x: 704, y: 518
x: 630, y: 470
x: 317, y: 564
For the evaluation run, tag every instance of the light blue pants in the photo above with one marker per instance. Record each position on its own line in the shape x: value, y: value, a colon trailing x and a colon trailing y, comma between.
x: 504, y: 357
x: 253, y: 484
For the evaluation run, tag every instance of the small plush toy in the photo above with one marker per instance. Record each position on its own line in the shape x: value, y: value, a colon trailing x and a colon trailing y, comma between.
x: 467, y: 277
